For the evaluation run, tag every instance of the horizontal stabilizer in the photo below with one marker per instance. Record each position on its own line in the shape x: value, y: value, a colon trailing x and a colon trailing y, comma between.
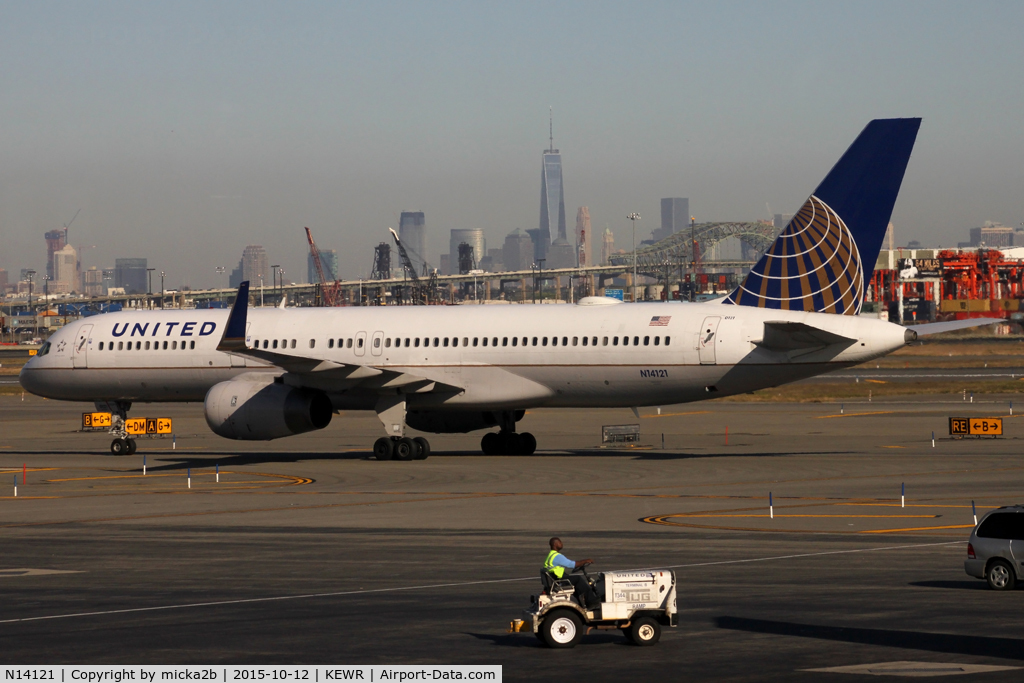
x: 938, y: 328
x: 781, y: 335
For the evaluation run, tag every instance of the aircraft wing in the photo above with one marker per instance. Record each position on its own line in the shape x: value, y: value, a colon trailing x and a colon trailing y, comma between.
x: 314, y: 372
x: 925, y: 329
x: 782, y: 335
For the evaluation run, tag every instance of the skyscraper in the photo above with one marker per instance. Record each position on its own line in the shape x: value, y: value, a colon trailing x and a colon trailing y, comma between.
x: 329, y: 261
x: 607, y: 246
x: 552, y: 200
x: 583, y: 236
x: 474, y: 237
x: 54, y: 243
x: 130, y: 273
x: 412, y: 231
x: 65, y: 270
x: 675, y: 216
x: 255, y: 266
x: 517, y: 252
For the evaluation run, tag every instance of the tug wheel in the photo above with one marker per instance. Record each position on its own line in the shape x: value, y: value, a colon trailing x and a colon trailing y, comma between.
x: 561, y: 628
x: 644, y: 631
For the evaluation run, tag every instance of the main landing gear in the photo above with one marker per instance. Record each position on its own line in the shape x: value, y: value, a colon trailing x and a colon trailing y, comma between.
x: 121, y: 446
x: 508, y: 443
x: 401, y: 448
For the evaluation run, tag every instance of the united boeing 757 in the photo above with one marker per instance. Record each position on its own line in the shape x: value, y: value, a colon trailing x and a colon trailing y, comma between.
x: 266, y: 373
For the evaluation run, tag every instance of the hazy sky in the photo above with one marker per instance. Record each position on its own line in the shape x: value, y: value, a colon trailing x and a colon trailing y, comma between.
x: 185, y: 131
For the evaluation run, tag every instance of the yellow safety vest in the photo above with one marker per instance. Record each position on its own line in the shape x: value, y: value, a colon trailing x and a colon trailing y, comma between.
x: 551, y: 568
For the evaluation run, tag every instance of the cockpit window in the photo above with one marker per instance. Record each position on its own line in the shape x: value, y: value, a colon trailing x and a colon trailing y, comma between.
x: 44, y: 349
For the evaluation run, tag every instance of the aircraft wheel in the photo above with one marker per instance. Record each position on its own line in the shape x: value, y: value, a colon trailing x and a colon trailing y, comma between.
x: 383, y: 448
x: 513, y: 444
x: 491, y: 444
x: 132, y: 446
x: 119, y: 447
x: 528, y: 443
x: 423, y: 452
x: 405, y: 449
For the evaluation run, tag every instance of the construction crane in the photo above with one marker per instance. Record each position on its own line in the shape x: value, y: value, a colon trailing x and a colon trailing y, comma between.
x: 328, y: 290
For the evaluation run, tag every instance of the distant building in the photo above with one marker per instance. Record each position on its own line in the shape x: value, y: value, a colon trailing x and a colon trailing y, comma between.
x: 54, y: 243
x: 675, y: 216
x: 444, y: 267
x: 235, y: 278
x: 474, y: 237
x: 329, y: 262
x: 130, y: 275
x: 256, y: 266
x: 92, y: 282
x: 561, y: 254
x: 552, y: 200
x: 65, y: 270
x: 583, y: 236
x: 412, y: 231
x: 3, y: 281
x: 494, y: 262
x: 993, y: 235
x: 517, y: 252
x: 782, y: 220
x: 607, y: 247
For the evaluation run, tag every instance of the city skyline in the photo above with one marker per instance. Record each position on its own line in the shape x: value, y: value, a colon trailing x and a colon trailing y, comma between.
x: 175, y: 151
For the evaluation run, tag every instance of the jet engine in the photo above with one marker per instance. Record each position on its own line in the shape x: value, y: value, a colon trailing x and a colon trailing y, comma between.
x: 260, y: 410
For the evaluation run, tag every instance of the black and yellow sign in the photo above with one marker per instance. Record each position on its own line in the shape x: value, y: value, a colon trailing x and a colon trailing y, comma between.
x: 163, y: 425
x: 976, y: 426
x: 95, y: 420
x: 135, y: 426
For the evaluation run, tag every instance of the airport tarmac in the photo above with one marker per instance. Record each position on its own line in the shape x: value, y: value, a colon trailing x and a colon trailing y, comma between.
x: 307, y: 551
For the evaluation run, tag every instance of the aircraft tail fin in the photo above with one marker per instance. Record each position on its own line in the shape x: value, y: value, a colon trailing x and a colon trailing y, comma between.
x: 234, y: 332
x: 824, y: 257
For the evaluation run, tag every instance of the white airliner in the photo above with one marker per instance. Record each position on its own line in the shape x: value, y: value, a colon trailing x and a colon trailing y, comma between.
x: 266, y: 373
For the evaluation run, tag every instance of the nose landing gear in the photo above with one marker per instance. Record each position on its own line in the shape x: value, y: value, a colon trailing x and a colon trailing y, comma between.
x: 123, y: 446
x: 401, y: 448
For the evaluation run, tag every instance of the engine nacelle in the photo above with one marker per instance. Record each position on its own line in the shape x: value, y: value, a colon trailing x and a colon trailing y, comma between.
x: 453, y: 422
x: 261, y: 410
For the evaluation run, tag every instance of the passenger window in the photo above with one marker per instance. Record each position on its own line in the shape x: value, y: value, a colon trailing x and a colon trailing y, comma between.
x: 494, y: 341
x: 387, y: 342
x: 312, y: 343
x: 138, y: 345
x: 476, y: 341
x: 515, y: 341
x: 147, y: 346
x: 584, y: 341
x: 376, y: 343
x: 275, y: 343
x: 330, y: 343
x: 565, y: 341
x: 416, y: 342
x: 264, y: 344
x: 406, y: 342
x: 647, y: 341
x: 604, y: 342
x: 636, y: 341
x: 455, y: 341
x: 192, y: 345
x: 436, y: 342
x: 165, y: 346
x: 465, y: 341
x: 174, y: 345
x: 554, y: 341
x: 485, y: 341
x: 446, y: 341
x: 668, y: 340
x: 615, y: 341
x: 348, y: 343
x: 657, y: 340
x: 504, y: 341
x: 101, y: 347
x: 544, y: 341
x: 359, y: 343
x: 293, y: 343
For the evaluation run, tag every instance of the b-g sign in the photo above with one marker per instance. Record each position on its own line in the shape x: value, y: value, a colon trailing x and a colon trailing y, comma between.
x: 95, y: 420
x: 975, y: 426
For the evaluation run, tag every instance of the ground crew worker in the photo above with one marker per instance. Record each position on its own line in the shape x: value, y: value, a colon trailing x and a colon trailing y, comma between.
x: 556, y: 564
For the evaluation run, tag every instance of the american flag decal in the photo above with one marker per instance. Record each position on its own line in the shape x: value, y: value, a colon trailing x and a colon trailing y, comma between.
x: 660, y: 321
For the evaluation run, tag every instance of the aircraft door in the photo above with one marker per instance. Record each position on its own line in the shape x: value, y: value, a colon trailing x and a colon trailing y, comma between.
x: 360, y: 348
x: 377, y: 344
x: 708, y: 339
x: 80, y: 354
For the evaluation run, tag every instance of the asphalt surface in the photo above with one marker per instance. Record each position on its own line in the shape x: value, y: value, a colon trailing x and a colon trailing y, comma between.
x: 307, y: 551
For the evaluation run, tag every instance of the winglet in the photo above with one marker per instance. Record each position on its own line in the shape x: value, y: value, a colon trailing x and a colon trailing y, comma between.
x: 234, y: 331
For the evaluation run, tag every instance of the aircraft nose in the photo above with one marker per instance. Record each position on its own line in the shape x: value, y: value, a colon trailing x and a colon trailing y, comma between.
x: 30, y: 379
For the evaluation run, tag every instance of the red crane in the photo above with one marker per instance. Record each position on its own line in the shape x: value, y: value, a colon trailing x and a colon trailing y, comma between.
x: 329, y: 290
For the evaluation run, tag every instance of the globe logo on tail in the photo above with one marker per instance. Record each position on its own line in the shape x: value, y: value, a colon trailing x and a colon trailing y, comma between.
x: 814, y: 265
